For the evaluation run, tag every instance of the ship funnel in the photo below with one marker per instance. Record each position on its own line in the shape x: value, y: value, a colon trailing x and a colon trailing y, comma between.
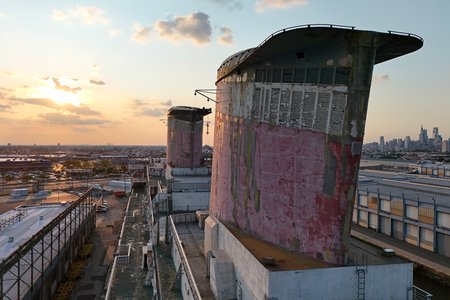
x: 289, y: 127
x: 184, y: 136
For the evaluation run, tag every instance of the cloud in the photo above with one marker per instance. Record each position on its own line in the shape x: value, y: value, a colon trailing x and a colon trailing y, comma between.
x: 380, y: 78
x: 83, y: 129
x: 115, y: 32
x: 4, y: 107
x: 150, y: 108
x: 226, y: 35
x: 64, y: 119
x: 90, y: 15
x: 230, y: 4
x: 97, y: 82
x: 64, y: 88
x: 49, y: 103
x: 195, y: 27
x: 93, y: 69
x: 154, y: 112
x: 167, y: 103
x: 59, y: 15
x: 7, y: 73
x: 138, y: 103
x: 262, y: 5
x: 141, y: 34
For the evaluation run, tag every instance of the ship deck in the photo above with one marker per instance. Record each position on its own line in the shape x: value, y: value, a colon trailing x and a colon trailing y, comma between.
x: 283, y: 259
x: 192, y: 237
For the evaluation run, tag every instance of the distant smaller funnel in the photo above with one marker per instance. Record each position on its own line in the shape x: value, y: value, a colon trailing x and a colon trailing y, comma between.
x: 184, y: 136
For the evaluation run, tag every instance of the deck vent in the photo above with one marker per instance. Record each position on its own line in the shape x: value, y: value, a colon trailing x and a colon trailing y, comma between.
x: 41, y: 218
x: 11, y: 239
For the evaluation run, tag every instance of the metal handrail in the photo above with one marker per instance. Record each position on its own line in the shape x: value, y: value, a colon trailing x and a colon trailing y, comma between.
x: 419, y: 294
x: 110, y: 279
x: 184, y: 261
x: 405, y: 33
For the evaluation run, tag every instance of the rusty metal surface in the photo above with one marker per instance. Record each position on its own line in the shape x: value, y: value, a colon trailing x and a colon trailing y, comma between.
x: 287, y: 147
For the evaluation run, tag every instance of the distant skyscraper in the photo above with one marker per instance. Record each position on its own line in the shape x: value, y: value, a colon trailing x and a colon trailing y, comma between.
x: 381, y: 147
x: 446, y: 146
x: 435, y: 132
x: 423, y: 136
x: 407, y: 143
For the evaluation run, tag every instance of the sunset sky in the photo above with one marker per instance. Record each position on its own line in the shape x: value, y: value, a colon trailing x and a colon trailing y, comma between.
x: 99, y: 72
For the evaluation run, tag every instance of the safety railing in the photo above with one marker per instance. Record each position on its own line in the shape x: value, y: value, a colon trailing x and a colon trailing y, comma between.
x: 184, y: 261
x: 419, y: 294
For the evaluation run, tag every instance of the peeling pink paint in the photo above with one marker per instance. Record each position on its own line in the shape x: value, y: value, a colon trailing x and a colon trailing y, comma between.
x: 288, y: 133
x: 184, y: 136
x: 285, y: 166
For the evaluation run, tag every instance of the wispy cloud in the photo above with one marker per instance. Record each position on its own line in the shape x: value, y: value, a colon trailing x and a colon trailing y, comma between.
x: 195, y: 27
x: 380, y: 78
x: 90, y: 15
x: 4, y: 107
x: 7, y: 73
x: 226, y: 36
x: 97, y: 82
x: 262, y: 5
x: 153, y: 112
x: 150, y: 108
x: 49, y: 103
x: 230, y: 4
x: 65, y: 119
x: 94, y: 69
x: 141, y: 33
x: 64, y: 88
x: 60, y: 16
x: 167, y: 103
x: 115, y: 32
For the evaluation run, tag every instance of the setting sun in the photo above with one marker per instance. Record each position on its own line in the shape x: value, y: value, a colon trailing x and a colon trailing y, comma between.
x: 60, y: 97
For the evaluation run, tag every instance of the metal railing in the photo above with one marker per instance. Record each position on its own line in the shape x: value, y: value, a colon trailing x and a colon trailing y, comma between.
x: 197, y: 187
x: 240, y: 56
x: 419, y: 294
x: 184, y: 261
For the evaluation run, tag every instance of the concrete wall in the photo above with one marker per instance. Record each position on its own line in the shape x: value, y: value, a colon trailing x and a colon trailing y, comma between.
x: 251, y: 276
x: 189, y: 201
x: 381, y: 282
x: 254, y: 281
x: 222, y: 279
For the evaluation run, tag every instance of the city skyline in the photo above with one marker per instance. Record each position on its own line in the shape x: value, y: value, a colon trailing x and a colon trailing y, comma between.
x: 414, y: 136
x: 106, y: 73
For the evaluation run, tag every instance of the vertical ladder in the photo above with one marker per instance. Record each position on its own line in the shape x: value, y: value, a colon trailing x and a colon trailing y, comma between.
x: 361, y: 272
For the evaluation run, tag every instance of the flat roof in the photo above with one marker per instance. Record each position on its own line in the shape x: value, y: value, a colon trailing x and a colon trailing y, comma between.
x: 19, y: 225
x: 283, y: 259
x: 410, y: 186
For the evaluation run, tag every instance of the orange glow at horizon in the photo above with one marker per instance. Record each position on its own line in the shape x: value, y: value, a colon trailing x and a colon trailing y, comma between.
x: 60, y: 97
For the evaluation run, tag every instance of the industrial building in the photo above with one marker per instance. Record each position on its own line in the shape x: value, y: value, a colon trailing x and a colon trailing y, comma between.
x: 411, y: 208
x: 435, y: 170
x: 39, y: 243
x: 21, y: 163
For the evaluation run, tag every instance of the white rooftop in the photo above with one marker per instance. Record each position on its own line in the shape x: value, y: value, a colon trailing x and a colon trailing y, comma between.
x: 19, y: 225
